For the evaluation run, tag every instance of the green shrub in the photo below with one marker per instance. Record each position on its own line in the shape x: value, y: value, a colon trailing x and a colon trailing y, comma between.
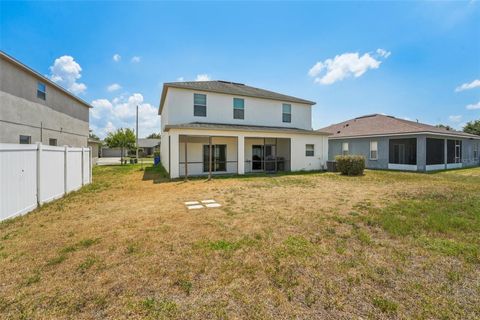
x: 350, y: 165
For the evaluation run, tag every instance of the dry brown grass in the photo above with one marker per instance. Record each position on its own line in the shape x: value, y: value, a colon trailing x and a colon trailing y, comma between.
x: 281, y: 247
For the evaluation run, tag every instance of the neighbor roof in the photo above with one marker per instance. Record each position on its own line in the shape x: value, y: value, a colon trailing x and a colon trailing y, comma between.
x: 233, y: 88
x: 43, y: 78
x: 383, y: 125
x: 240, y: 127
x: 148, y: 143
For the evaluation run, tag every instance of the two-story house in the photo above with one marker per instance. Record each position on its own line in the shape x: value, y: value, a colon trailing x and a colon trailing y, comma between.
x: 211, y: 127
x: 35, y: 109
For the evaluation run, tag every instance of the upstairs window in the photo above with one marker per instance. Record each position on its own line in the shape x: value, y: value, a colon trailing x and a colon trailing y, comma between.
x: 238, y: 108
x: 25, y: 139
x: 199, y: 105
x: 52, y: 142
x: 373, y: 150
x: 286, y: 112
x: 345, y: 148
x: 41, y: 91
x: 309, y: 150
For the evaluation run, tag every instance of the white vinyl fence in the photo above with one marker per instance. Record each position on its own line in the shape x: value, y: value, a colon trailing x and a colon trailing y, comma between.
x: 32, y: 174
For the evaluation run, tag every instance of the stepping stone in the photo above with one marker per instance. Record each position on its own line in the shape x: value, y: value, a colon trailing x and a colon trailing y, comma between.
x: 208, y: 201
x: 188, y: 203
x: 195, y: 206
x: 213, y: 205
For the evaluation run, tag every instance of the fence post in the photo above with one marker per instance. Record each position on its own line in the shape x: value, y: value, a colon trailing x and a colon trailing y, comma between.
x: 91, y: 165
x: 65, y: 170
x: 39, y: 175
x: 82, y: 164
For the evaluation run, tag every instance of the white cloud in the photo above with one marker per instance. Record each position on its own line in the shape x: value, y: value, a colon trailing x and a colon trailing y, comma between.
x: 383, y: 53
x: 202, y: 77
x: 66, y: 71
x: 116, y: 57
x: 473, y: 106
x: 135, y: 59
x: 108, y: 115
x: 467, y: 86
x: 346, y: 65
x: 455, y: 119
x: 180, y: 79
x: 113, y: 87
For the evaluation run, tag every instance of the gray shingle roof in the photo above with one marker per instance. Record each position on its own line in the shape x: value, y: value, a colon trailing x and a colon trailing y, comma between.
x: 148, y: 143
x: 232, y: 88
x: 241, y: 127
x: 382, y: 125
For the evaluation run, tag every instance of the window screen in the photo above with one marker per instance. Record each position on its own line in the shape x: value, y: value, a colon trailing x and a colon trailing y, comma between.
x: 286, y: 112
x: 403, y: 151
x: 25, y: 139
x: 238, y: 108
x: 345, y: 148
x: 199, y: 105
x: 435, y: 151
x: 309, y: 150
x: 373, y: 150
x: 41, y: 91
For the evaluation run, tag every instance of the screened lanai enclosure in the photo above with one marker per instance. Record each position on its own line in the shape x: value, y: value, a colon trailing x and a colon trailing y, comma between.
x: 434, y: 154
x: 210, y: 155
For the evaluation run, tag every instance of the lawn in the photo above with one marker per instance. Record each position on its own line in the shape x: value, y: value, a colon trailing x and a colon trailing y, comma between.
x: 320, y: 245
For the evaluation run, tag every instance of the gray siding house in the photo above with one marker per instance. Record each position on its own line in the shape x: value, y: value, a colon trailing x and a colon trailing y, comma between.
x: 35, y: 109
x: 390, y: 143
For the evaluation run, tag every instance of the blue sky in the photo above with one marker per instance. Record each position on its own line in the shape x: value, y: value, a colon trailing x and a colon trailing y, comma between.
x: 428, y: 50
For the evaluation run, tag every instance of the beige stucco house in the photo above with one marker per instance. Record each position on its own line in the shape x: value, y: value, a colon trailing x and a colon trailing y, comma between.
x: 35, y: 109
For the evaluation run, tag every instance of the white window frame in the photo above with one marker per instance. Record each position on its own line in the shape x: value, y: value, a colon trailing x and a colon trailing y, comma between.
x: 475, y: 151
x: 372, y: 143
x: 345, y: 151
x: 309, y: 147
x: 199, y: 105
x: 41, y: 92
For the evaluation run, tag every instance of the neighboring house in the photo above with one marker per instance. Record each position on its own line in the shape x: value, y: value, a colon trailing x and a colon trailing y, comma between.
x: 391, y: 143
x: 95, y: 146
x: 226, y: 127
x: 148, y: 146
x: 107, y: 152
x: 35, y: 109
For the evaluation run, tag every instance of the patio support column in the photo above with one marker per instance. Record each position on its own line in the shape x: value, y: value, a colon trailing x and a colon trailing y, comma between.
x: 445, y: 153
x: 186, y: 158
x: 421, y: 153
x: 210, y: 158
x: 174, y: 155
x: 241, y: 154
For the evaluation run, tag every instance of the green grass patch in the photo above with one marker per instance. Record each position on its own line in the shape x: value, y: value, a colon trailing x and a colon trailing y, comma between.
x: 33, y: 279
x: 445, y: 223
x: 57, y: 260
x: 86, y: 264
x: 185, y: 285
x: 385, y: 305
x: 296, y: 246
x: 163, y: 308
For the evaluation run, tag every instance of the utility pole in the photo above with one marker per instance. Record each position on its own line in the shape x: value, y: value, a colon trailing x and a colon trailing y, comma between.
x: 136, y: 131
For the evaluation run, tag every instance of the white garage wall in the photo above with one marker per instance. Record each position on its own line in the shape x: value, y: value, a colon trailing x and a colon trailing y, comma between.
x: 34, y: 174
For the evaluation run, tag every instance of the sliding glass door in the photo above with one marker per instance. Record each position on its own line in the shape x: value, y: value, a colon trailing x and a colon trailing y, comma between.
x: 219, y: 157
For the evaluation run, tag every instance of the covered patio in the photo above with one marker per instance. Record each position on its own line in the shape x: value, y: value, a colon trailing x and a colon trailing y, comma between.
x: 215, y: 154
